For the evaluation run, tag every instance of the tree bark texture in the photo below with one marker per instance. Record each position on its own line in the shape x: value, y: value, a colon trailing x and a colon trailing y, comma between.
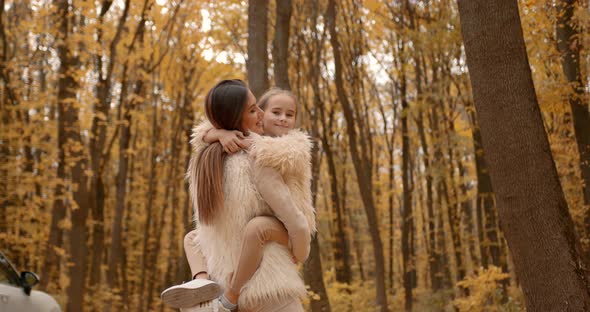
x: 257, y: 64
x: 75, y: 160
x: 280, y: 45
x: 531, y: 204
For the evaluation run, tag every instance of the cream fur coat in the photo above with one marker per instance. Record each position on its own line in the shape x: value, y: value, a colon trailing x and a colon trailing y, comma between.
x: 277, y: 278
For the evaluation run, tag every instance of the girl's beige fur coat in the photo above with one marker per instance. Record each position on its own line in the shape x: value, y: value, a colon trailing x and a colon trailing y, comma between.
x: 277, y: 278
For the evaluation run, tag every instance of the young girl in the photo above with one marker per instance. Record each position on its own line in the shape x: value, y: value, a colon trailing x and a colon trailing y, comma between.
x: 280, y: 158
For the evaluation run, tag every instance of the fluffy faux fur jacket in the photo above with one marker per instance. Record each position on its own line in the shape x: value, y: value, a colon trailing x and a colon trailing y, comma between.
x: 277, y: 278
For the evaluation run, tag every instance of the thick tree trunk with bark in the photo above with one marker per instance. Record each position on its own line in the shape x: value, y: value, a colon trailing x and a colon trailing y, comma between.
x: 257, y: 63
x: 531, y: 203
x: 75, y: 160
x: 280, y: 45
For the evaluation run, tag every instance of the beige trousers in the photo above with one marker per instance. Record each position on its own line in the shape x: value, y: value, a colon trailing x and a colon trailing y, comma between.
x: 257, y: 233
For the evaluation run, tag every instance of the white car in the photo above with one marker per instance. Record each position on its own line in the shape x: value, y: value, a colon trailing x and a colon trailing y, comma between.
x: 16, y: 294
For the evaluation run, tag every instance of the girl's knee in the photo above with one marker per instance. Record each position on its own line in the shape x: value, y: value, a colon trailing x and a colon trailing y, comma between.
x: 190, y: 239
x: 261, y: 227
x: 265, y: 229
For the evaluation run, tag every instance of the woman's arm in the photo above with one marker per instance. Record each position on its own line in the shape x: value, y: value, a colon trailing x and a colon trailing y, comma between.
x: 276, y: 194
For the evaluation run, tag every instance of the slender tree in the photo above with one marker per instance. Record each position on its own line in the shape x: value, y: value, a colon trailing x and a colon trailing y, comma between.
x: 100, y: 121
x: 126, y: 108
x: 360, y: 159
x: 569, y: 45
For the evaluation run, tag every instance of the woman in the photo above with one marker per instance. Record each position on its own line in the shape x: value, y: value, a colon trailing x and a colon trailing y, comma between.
x: 228, y: 193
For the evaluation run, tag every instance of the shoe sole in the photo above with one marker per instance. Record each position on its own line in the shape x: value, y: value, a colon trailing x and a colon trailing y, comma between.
x: 190, y: 297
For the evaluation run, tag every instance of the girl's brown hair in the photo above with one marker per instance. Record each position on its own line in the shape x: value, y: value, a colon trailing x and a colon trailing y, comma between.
x: 224, y: 106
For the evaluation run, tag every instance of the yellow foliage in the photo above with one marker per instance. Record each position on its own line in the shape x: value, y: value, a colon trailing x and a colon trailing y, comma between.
x: 485, y: 292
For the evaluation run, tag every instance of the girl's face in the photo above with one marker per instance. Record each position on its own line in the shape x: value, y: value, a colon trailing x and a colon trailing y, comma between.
x: 252, y: 116
x: 279, y: 116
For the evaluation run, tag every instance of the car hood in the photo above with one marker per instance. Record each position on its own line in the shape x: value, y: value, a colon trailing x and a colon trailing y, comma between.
x: 43, y: 302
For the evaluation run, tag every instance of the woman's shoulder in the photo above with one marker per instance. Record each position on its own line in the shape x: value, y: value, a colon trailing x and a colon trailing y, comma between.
x: 291, y: 150
x: 198, y: 132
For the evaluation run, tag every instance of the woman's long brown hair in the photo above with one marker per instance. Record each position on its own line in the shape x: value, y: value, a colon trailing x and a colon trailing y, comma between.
x: 224, y: 106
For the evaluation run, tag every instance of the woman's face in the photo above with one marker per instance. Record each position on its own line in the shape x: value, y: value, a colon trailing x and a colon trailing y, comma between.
x: 279, y: 116
x: 252, y: 115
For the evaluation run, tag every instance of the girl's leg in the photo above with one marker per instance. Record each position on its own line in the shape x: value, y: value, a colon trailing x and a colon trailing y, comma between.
x: 195, y: 257
x: 258, y: 232
x: 200, y: 289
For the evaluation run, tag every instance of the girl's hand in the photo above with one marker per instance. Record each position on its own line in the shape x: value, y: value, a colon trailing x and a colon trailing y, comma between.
x: 232, y: 141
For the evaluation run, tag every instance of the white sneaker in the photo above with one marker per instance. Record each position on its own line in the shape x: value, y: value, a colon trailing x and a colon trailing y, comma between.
x: 209, y: 306
x: 191, y: 293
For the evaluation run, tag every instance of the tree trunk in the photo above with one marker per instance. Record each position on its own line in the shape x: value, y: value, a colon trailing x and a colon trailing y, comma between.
x: 188, y: 120
x: 150, y: 204
x: 531, y: 204
x: 52, y: 261
x: 257, y: 63
x: 154, y: 254
x: 489, y: 242
x: 312, y: 271
x: 569, y: 44
x: 98, y: 139
x: 126, y: 106
x: 340, y: 245
x: 361, y: 165
x: 116, y: 249
x: 280, y: 46
x: 443, y: 269
x: 453, y: 207
x: 407, y: 217
x: 433, y: 256
x: 352, y: 224
x: 75, y: 159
